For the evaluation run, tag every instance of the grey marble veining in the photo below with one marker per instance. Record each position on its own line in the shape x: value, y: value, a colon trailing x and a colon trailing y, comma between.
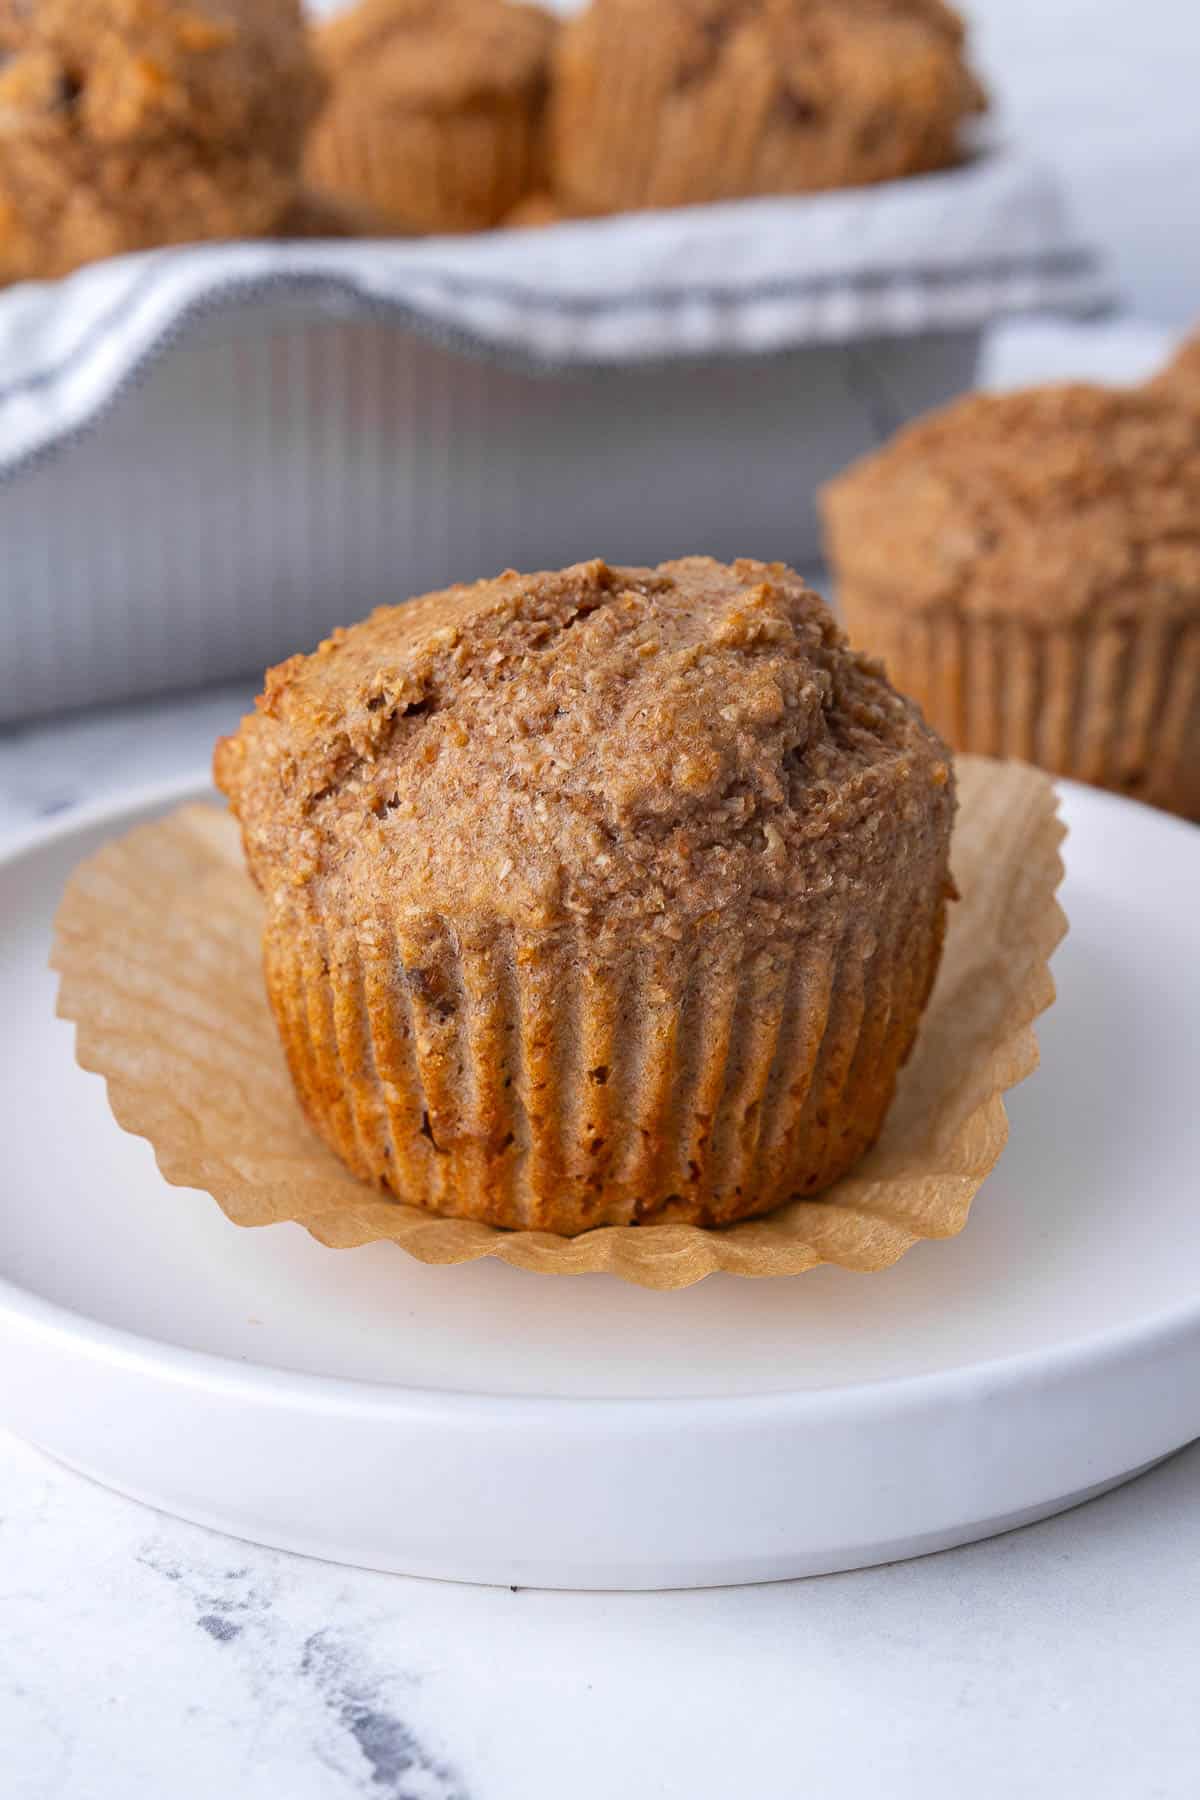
x: 142, y: 1657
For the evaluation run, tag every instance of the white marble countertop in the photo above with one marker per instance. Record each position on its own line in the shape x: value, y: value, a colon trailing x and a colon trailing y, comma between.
x: 140, y: 1656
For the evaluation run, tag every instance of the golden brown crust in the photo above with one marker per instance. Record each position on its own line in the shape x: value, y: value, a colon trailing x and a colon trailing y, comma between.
x: 1055, y: 504
x: 1028, y: 567
x: 728, y: 98
x: 436, y: 112
x: 591, y: 742
x: 595, y: 896
x: 129, y: 123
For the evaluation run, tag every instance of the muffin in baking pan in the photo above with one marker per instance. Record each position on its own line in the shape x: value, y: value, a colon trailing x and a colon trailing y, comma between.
x: 702, y: 100
x: 435, y: 116
x: 131, y: 123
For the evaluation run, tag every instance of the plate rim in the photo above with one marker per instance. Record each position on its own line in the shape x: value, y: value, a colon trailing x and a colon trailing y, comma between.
x: 33, y: 1315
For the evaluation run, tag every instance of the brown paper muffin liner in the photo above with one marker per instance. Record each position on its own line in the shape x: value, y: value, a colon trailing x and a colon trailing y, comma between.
x: 157, y: 944
x: 428, y: 172
x: 1116, y: 705
x: 540, y: 1081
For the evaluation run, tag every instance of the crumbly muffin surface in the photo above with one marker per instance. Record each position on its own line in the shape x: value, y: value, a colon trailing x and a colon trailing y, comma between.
x: 128, y: 123
x: 622, y: 744
x: 1053, y: 504
x: 720, y: 99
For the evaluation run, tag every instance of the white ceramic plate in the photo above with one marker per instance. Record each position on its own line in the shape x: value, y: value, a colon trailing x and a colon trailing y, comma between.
x: 492, y: 1425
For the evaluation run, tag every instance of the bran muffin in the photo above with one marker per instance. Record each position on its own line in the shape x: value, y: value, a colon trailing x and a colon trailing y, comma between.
x: 703, y: 100
x: 604, y: 896
x: 435, y: 117
x: 130, y: 123
x: 1028, y: 567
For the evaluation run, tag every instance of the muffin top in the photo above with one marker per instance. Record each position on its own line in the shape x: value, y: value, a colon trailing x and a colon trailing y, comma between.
x: 1052, y: 504
x: 660, y: 745
x: 439, y: 53
x: 116, y: 73
x: 1180, y: 380
x: 130, y: 123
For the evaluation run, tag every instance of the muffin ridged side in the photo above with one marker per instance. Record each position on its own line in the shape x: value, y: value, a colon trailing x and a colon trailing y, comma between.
x: 704, y: 101
x: 425, y: 174
x: 530, y: 1084
x: 435, y: 117
x: 1117, y: 706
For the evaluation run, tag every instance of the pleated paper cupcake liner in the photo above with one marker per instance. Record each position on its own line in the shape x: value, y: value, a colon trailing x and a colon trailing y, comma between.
x: 538, y: 1082
x: 428, y: 172
x: 158, y: 947
x: 628, y: 133
x: 1116, y: 704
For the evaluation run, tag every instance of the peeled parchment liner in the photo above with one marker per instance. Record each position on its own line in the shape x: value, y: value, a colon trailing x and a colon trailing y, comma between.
x: 157, y: 946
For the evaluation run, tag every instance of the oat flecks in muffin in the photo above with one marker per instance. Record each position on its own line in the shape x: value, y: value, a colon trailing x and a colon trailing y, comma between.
x: 668, y: 722
x: 597, y: 896
x: 435, y: 117
x: 129, y: 123
x: 1059, y: 502
x: 1028, y: 566
x: 701, y: 100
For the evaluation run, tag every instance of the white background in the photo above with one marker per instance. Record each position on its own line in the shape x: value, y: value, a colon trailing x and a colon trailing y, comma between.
x: 1110, y: 93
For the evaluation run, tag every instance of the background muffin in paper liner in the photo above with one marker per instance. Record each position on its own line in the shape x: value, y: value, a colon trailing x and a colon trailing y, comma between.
x: 1027, y: 565
x: 435, y: 116
x: 699, y: 100
x: 158, y: 947
x: 131, y: 123
x: 595, y: 897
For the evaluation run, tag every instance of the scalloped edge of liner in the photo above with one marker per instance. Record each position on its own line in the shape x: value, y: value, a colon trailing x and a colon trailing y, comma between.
x: 633, y: 1253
